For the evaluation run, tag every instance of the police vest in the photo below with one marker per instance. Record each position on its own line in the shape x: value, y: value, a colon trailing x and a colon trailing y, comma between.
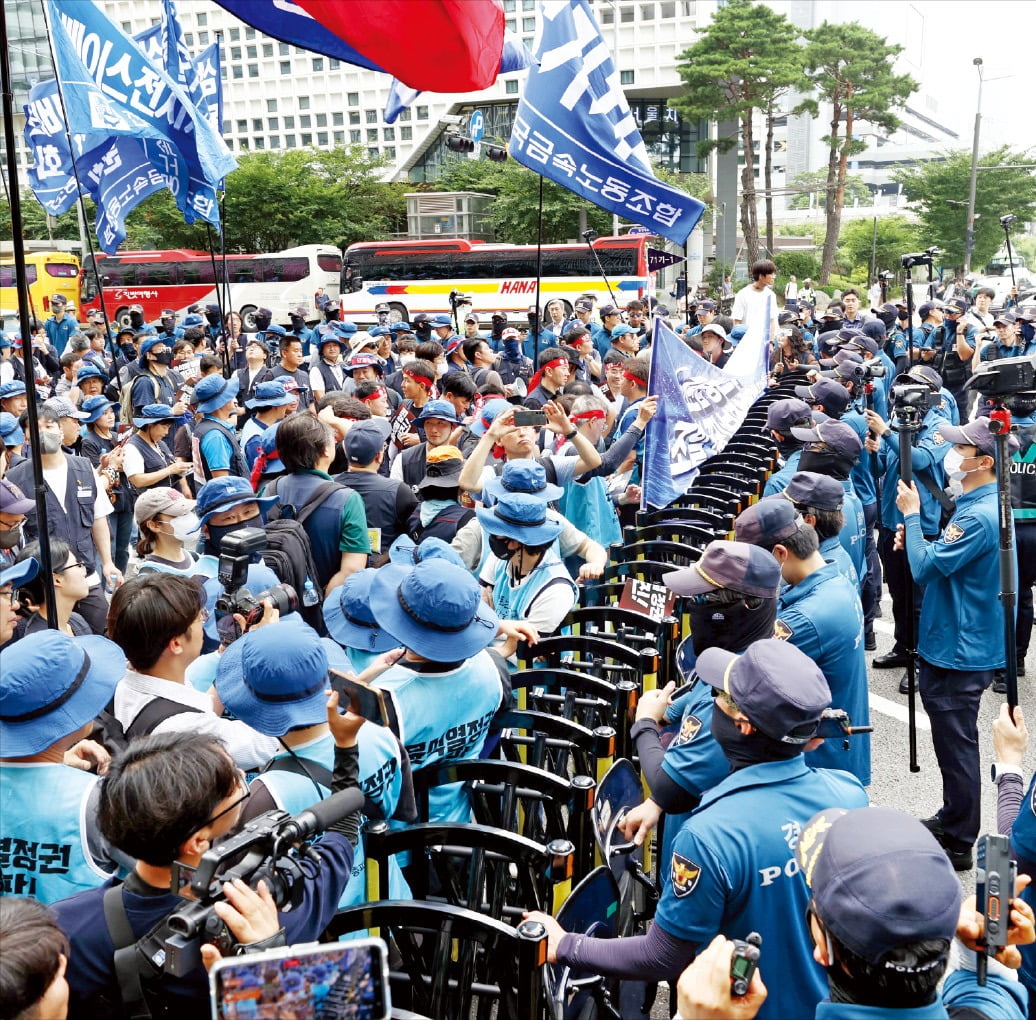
x: 1023, y: 476
x: 238, y: 467
x: 44, y: 851
x: 154, y: 460
x: 73, y: 521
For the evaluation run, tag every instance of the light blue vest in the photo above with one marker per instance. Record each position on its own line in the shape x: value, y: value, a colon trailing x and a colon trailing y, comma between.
x: 588, y: 503
x: 43, y: 844
x: 513, y: 601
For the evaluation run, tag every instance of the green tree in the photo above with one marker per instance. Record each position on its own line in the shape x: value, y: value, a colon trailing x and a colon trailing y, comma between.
x: 851, y: 68
x: 896, y: 236
x: 745, y: 58
x: 938, y: 191
x: 814, y: 183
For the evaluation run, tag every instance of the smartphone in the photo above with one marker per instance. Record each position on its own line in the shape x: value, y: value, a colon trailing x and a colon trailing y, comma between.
x: 366, y: 700
x: 526, y: 417
x: 340, y: 981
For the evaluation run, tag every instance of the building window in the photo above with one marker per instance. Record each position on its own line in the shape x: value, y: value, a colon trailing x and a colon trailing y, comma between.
x: 405, y: 115
x: 390, y: 152
x: 257, y: 124
x: 337, y: 118
x: 528, y: 5
x: 271, y: 105
x: 511, y: 24
x: 272, y: 123
x: 406, y: 134
x: 626, y: 15
x: 203, y: 38
x: 389, y: 134
x: 354, y: 116
x: 187, y: 36
x: 235, y: 52
x: 372, y: 134
x: 307, y: 139
x: 422, y: 113
x: 305, y: 121
x: 511, y: 87
x: 267, y: 49
x: 321, y: 120
x: 289, y: 122
x: 372, y: 116
x: 275, y: 142
x: 339, y: 137
x: 510, y: 6
x: 289, y: 141
x: 528, y: 24
x: 249, y: 33
x: 332, y: 64
x: 606, y: 16
x: 260, y: 142
x: 285, y: 67
x: 647, y: 12
x: 253, y: 70
x: 321, y: 138
x: 202, y: 18
x: 251, y: 52
x: 239, y: 71
x: 284, y: 50
x: 226, y: 127
x: 353, y: 98
x: 243, y: 144
x: 318, y: 63
x: 235, y: 34
x: 354, y: 137
x: 303, y: 102
x: 373, y: 153
x: 625, y: 77
x: 242, y: 126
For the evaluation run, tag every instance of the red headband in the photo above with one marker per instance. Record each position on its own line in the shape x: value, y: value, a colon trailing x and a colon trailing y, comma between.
x: 417, y: 377
x: 633, y: 378
x: 588, y: 415
x: 379, y: 392
x: 554, y: 364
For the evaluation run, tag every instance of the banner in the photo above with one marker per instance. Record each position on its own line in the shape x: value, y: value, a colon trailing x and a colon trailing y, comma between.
x: 111, y: 88
x: 574, y: 126
x: 700, y: 407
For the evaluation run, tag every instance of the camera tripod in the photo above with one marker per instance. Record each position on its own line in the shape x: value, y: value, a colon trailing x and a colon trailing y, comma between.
x: 1000, y: 425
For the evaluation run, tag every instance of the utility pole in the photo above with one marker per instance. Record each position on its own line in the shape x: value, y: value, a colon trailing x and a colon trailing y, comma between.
x: 969, y: 232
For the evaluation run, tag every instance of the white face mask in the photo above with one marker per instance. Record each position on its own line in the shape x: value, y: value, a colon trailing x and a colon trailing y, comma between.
x: 406, y: 358
x: 952, y: 465
x: 185, y: 528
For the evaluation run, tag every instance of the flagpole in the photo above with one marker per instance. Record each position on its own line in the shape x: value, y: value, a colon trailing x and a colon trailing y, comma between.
x: 590, y: 236
x: 22, y: 290
x: 219, y: 301
x: 539, y: 274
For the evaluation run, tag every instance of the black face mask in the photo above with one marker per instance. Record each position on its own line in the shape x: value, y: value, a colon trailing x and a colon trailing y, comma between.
x: 262, y: 322
x: 212, y: 318
x: 128, y: 351
x: 732, y: 627
x: 298, y: 324
x: 165, y: 358
x: 332, y: 315
x: 168, y: 325
x: 498, y: 547
x: 826, y: 462
x: 136, y: 320
x: 753, y: 749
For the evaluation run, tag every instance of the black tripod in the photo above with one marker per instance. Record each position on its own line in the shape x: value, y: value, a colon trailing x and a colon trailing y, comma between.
x: 1000, y: 425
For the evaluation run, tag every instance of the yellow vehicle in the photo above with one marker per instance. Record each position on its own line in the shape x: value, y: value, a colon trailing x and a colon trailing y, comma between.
x: 48, y: 273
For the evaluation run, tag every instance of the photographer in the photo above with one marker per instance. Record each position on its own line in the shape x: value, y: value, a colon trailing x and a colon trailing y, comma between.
x: 170, y: 797
x: 960, y: 639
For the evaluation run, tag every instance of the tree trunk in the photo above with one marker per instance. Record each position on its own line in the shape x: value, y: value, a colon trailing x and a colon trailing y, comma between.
x: 749, y: 213
x: 768, y: 180
x: 833, y: 217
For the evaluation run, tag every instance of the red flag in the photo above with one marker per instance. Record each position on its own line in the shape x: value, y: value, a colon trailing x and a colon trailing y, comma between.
x: 432, y: 45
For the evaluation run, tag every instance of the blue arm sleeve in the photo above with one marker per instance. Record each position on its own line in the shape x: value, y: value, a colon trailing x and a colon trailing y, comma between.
x: 930, y: 559
x: 1005, y: 1000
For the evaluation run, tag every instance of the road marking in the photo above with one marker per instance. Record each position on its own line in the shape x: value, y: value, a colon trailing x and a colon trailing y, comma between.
x: 898, y: 711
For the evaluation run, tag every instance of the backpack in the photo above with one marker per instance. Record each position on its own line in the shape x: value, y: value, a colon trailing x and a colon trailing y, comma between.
x: 288, y: 551
x: 110, y: 732
x: 126, y: 404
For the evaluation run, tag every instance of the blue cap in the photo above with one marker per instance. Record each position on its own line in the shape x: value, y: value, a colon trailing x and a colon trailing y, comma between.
x: 809, y: 488
x: 379, y: 331
x: 348, y: 616
x: 151, y: 340
x: 442, y: 319
x: 366, y: 439
x: 192, y: 320
x: 401, y: 327
x: 621, y: 329
x: 782, y: 414
x: 91, y: 371
x: 95, y: 406
x: 780, y: 688
x: 5, y: 341
x: 275, y: 330
x: 220, y: 494
x: 491, y: 409
x: 434, y: 609
x: 840, y: 436
x: 53, y: 685
x: 736, y: 566
x: 151, y: 414
x: 12, y: 388
x: 975, y: 433
x: 521, y: 517
x: 770, y: 520
x: 441, y: 409
x: 527, y: 477
x: 214, y: 392
x: 455, y: 343
x: 271, y: 394
x: 864, y: 869
x: 273, y: 679
x: 10, y: 431
x: 833, y: 395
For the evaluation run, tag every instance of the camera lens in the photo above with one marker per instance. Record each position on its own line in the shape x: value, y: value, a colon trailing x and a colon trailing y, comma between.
x: 283, y: 596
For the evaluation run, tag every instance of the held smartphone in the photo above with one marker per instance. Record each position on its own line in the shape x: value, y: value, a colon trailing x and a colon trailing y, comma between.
x: 339, y: 981
x: 366, y: 700
x: 527, y: 417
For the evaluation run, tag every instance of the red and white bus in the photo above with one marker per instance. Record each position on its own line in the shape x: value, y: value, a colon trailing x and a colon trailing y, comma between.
x: 179, y: 278
x: 419, y: 276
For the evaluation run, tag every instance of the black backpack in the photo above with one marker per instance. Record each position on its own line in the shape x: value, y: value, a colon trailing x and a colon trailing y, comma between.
x: 288, y: 551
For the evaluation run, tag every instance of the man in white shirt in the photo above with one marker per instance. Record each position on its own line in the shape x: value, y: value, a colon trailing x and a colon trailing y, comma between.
x: 755, y: 306
x: 791, y: 293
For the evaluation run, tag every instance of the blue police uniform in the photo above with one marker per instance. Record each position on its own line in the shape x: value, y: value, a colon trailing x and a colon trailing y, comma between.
x: 834, y: 552
x: 821, y: 616
x: 734, y: 871
x: 853, y: 535
x: 778, y: 481
x: 444, y: 717
x: 960, y: 645
x: 1023, y: 502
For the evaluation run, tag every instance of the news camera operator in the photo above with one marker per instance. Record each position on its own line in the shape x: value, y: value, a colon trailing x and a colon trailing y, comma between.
x: 169, y: 798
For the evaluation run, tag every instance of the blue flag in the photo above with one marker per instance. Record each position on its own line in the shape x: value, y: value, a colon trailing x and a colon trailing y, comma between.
x: 575, y: 127
x: 111, y: 88
x: 700, y: 407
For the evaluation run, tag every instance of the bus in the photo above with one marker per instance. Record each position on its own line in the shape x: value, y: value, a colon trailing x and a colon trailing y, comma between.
x: 48, y: 273
x: 180, y: 278
x: 419, y: 276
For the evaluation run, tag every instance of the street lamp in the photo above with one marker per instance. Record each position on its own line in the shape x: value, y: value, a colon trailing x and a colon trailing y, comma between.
x: 969, y: 231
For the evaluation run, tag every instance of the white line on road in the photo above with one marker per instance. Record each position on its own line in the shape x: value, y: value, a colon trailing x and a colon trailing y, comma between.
x: 898, y: 711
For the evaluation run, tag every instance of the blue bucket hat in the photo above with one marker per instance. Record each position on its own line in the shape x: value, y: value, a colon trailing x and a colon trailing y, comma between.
x: 521, y: 517
x: 489, y: 412
x: 441, y: 409
x: 523, y: 476
x: 91, y: 371
x: 348, y: 616
x: 151, y: 414
x: 214, y: 392
x: 18, y: 573
x: 149, y: 341
x: 343, y: 327
x: 12, y: 388
x: 5, y: 341
x: 10, y: 431
x: 271, y: 394
x: 434, y: 609
x: 95, y: 406
x: 220, y: 494
x: 54, y: 685
x: 268, y: 446
x: 274, y: 678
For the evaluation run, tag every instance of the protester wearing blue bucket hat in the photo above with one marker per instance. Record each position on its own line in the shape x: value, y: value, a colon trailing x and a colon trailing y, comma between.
x: 522, y: 476
x: 525, y: 573
x: 155, y: 384
x: 94, y: 407
x: 271, y: 402
x: 13, y: 397
x: 350, y: 621
x: 215, y: 442
x: 12, y: 437
x: 14, y: 576
x: 446, y: 681
x: 153, y: 414
x: 54, y: 685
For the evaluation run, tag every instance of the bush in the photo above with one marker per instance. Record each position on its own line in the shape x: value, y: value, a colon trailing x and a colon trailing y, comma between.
x: 802, y: 264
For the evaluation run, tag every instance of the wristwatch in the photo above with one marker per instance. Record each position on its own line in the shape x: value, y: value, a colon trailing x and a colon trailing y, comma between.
x: 997, y: 771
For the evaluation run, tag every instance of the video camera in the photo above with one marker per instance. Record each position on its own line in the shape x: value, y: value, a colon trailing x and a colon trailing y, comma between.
x: 1006, y: 221
x: 911, y: 397
x: 920, y: 258
x: 271, y: 848
x: 1004, y: 378
x: 886, y: 274
x: 236, y: 551
x: 873, y: 368
x: 457, y: 298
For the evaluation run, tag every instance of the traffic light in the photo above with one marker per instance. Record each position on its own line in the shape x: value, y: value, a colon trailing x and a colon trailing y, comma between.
x: 496, y: 153
x: 459, y: 143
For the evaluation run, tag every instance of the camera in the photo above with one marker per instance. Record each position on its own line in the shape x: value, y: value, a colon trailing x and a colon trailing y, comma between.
x: 589, y: 236
x: 920, y: 258
x: 910, y: 398
x: 1004, y: 378
x: 457, y: 298
x: 886, y: 274
x: 1006, y: 221
x: 236, y: 551
x: 271, y: 848
x: 873, y: 368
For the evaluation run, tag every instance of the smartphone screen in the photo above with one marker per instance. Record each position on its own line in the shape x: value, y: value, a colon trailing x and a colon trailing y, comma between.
x: 368, y: 701
x: 343, y: 981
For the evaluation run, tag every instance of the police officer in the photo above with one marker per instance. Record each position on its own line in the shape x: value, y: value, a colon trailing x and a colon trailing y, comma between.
x: 960, y: 641
x: 781, y: 417
x: 733, y: 868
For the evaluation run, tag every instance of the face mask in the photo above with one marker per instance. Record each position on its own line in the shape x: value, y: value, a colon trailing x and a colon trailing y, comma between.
x: 50, y: 442
x: 332, y: 316
x: 262, y: 322
x: 753, y: 749
x: 167, y: 325
x: 184, y: 528
x: 298, y: 324
x: 405, y: 359
x: 732, y: 627
x: 825, y: 462
x: 212, y: 318
x: 498, y: 546
x: 136, y: 320
x: 165, y: 358
x: 511, y: 349
x: 440, y: 369
x: 128, y: 351
x: 10, y: 539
